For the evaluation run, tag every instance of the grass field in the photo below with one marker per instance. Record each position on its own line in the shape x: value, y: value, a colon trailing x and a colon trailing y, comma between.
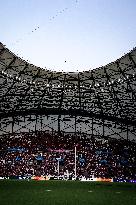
x: 21, y: 192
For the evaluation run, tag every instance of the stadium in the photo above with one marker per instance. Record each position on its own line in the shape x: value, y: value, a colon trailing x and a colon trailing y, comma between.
x: 74, y: 132
x: 68, y: 102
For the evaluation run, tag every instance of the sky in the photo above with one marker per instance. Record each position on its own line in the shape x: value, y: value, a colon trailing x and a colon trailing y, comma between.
x: 68, y: 35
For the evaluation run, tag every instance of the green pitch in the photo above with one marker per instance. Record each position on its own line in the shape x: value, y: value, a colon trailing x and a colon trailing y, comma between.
x: 66, y: 193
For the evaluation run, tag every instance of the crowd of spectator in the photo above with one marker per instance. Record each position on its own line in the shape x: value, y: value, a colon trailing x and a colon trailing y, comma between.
x: 37, y: 154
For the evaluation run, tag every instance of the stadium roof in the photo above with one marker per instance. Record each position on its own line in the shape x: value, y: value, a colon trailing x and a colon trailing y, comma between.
x: 108, y: 92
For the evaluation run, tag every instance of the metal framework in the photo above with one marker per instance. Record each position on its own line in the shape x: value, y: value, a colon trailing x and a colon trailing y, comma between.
x: 99, y: 102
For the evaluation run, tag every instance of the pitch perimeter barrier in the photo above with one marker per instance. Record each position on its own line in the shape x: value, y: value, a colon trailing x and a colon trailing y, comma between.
x: 43, y: 178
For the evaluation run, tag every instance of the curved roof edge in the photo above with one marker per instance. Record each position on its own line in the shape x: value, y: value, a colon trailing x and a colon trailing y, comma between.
x: 47, y: 70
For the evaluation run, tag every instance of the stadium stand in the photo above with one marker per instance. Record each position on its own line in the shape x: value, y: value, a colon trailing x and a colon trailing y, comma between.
x: 45, y: 114
x: 36, y: 155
